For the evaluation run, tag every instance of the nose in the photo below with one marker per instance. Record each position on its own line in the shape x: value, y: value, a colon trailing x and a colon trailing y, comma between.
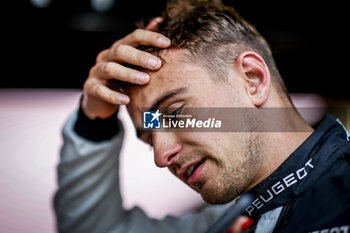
x: 165, y: 147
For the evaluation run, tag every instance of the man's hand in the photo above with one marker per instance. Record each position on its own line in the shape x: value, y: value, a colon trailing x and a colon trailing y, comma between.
x: 99, y: 100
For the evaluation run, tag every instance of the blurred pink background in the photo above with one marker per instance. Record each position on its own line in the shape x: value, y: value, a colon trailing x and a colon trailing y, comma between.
x: 30, y: 139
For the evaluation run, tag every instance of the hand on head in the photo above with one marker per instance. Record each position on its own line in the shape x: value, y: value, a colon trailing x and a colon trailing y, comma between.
x: 100, y: 101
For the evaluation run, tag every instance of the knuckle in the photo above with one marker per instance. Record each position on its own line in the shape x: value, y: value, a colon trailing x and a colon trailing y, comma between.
x: 86, y: 86
x: 98, y: 90
x: 140, y: 58
x: 93, y: 70
x: 101, y: 55
x: 137, y: 33
x: 118, y: 42
x: 117, y: 50
x: 131, y: 75
x: 105, y: 68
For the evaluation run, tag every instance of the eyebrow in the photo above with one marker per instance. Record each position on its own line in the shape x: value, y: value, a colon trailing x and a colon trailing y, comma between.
x: 166, y: 96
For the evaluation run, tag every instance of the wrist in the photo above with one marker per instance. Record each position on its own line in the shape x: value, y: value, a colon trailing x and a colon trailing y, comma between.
x: 94, y: 108
x: 96, y: 129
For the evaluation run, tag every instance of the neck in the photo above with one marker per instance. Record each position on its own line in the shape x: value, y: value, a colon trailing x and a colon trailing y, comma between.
x: 278, y: 146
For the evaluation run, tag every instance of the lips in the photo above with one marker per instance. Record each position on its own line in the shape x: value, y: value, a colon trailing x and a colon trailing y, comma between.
x: 196, y: 173
x: 191, y: 172
x: 191, y: 169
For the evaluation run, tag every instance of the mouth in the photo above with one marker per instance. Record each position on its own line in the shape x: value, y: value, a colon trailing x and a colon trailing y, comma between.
x: 192, y: 172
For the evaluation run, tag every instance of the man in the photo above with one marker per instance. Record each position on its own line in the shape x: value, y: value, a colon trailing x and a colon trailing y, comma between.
x: 214, y: 59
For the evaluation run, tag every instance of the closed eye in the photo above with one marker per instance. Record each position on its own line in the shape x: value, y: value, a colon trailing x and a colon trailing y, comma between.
x: 177, y: 111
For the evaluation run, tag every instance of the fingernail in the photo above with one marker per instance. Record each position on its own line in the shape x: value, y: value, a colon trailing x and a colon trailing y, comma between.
x: 247, y: 224
x: 141, y: 77
x: 123, y: 99
x: 163, y: 41
x: 152, y: 62
x: 158, y: 19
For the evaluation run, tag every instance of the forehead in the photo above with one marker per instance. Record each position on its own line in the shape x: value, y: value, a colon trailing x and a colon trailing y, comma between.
x: 177, y: 72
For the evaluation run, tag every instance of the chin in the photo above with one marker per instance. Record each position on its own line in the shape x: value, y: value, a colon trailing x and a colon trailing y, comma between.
x: 215, y: 199
x: 219, y: 195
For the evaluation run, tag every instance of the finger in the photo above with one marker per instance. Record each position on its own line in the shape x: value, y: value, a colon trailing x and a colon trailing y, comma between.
x: 153, y: 25
x: 103, y: 55
x: 105, y: 94
x: 249, y: 222
x: 241, y: 224
x: 114, y: 70
x: 131, y: 55
x: 145, y: 37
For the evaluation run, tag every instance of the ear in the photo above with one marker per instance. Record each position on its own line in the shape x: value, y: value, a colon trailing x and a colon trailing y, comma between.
x: 256, y: 76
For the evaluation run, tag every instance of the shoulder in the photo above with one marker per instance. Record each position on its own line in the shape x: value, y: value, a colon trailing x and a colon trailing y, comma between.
x: 326, y: 204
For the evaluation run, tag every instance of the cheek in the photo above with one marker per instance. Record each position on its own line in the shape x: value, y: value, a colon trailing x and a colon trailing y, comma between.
x: 212, y: 144
x: 229, y: 147
x: 201, y: 139
x: 223, y: 149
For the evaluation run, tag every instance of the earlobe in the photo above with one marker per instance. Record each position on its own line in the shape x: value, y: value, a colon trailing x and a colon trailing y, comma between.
x: 256, y: 76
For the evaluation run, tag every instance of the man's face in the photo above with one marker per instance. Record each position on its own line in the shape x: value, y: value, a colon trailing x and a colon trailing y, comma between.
x: 218, y: 165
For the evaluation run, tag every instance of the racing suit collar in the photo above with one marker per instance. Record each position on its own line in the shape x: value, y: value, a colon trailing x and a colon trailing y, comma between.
x: 301, y: 169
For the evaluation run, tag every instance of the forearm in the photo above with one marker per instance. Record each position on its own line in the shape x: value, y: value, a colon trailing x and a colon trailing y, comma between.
x: 88, y: 199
